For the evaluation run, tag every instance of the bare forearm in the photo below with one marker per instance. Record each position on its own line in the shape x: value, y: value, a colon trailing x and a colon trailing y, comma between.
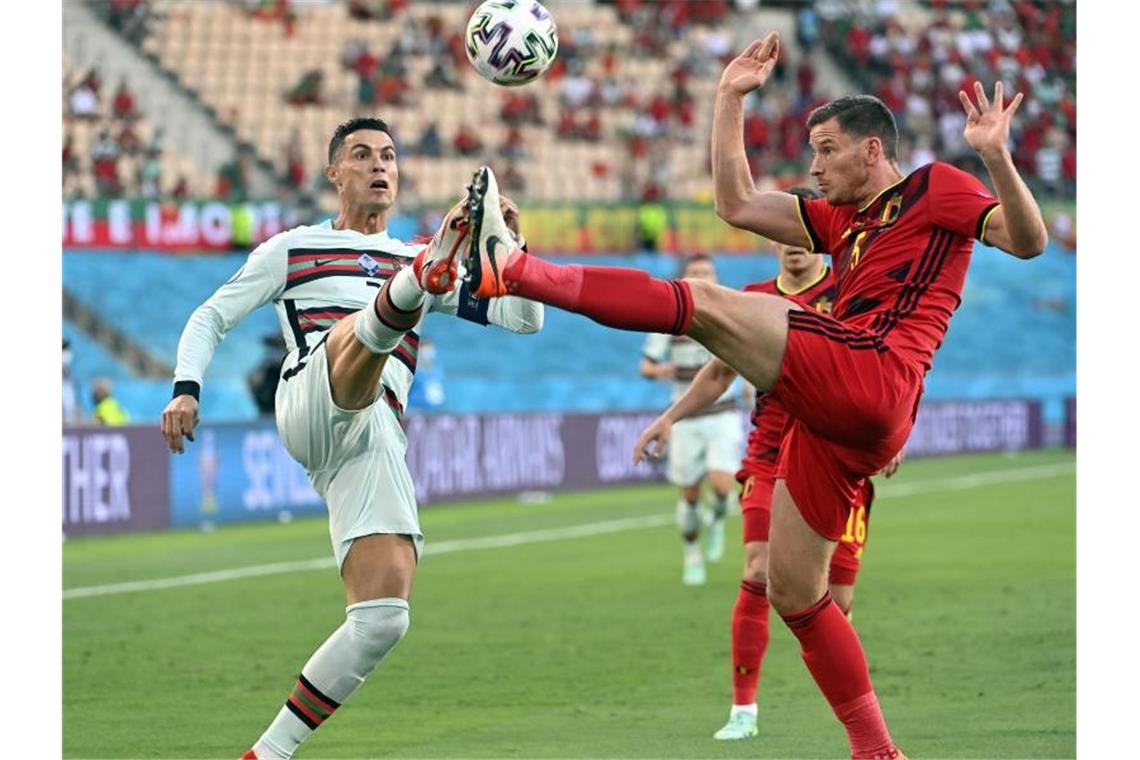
x: 1023, y: 221
x: 709, y: 385
x: 732, y: 179
x: 738, y: 202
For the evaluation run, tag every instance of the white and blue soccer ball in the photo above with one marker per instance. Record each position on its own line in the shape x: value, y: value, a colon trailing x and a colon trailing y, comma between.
x: 511, y: 42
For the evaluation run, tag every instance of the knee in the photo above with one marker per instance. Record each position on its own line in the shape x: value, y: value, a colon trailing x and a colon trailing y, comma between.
x: 780, y: 595
x: 756, y: 567
x: 788, y: 594
x: 377, y: 626
x: 756, y: 573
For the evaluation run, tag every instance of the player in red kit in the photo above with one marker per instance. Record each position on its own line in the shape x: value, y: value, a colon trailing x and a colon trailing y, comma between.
x: 806, y: 279
x: 900, y: 246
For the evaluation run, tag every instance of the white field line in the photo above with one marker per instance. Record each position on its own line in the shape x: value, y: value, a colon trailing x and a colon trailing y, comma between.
x: 958, y: 483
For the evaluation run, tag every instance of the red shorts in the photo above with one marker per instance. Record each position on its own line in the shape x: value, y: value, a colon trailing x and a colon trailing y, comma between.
x: 849, y: 553
x: 853, y: 402
x: 757, y: 483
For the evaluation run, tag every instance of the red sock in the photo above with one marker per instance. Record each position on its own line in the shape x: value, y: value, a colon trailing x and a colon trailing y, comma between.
x: 749, y: 640
x: 628, y: 299
x: 833, y: 654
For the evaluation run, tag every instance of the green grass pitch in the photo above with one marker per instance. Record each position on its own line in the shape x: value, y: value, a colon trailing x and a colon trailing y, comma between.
x: 557, y: 645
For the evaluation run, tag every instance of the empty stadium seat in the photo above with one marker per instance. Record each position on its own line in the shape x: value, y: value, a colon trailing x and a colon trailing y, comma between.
x: 576, y: 364
x: 237, y: 62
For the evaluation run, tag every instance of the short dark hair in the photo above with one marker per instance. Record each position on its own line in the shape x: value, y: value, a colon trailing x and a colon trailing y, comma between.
x: 352, y: 125
x: 807, y: 193
x: 861, y: 116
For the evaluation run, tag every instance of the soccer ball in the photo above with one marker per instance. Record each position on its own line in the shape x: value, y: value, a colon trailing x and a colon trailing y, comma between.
x: 511, y: 42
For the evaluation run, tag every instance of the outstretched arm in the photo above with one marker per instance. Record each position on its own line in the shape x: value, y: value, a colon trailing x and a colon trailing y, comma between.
x: 738, y: 202
x: 709, y: 385
x: 1016, y: 226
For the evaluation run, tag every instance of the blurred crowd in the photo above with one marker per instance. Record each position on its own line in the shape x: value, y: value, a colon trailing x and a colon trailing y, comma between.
x: 1029, y: 46
x: 917, y: 71
x: 109, y: 148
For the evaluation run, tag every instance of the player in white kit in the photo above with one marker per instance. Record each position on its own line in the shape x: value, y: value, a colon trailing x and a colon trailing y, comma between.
x: 705, y: 444
x: 350, y: 299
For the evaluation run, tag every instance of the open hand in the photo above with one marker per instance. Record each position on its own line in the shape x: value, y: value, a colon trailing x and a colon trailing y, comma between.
x: 652, y: 441
x: 751, y: 68
x: 987, y: 125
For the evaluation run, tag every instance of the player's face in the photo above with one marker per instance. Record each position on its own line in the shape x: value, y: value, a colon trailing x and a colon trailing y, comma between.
x: 365, y: 171
x: 795, y: 260
x: 700, y: 270
x: 838, y: 163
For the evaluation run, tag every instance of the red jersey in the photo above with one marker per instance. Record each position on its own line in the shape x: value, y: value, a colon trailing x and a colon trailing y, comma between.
x: 769, y: 420
x: 901, y: 260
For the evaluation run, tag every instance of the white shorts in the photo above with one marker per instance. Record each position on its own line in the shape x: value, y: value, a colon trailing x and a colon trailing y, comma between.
x: 700, y: 445
x: 355, y: 459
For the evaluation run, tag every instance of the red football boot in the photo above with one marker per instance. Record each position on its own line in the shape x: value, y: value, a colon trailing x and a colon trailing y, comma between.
x: 436, y: 266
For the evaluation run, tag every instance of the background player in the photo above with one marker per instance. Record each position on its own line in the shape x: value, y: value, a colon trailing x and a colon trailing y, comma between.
x: 901, y: 260
x: 350, y: 299
x: 707, y: 443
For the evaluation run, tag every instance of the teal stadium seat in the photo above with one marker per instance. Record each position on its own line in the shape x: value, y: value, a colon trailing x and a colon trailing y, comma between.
x: 1014, y: 336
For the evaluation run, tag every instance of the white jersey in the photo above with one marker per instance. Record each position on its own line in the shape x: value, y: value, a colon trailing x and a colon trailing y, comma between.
x: 316, y: 275
x: 687, y: 357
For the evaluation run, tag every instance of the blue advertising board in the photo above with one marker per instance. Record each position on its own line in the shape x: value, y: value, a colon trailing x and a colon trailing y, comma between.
x: 235, y: 473
x: 117, y: 480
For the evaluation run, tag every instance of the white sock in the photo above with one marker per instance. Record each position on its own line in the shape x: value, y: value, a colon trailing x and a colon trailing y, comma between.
x: 334, y: 672
x: 406, y: 293
x: 691, y: 552
x: 381, y: 326
x: 743, y: 709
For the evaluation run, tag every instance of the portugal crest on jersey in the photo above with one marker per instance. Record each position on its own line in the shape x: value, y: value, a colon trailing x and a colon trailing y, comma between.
x: 368, y: 264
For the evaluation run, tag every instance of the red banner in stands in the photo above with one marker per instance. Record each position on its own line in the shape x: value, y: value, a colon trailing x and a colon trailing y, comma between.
x: 172, y: 226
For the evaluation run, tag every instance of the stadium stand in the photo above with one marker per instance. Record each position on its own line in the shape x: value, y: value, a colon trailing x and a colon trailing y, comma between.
x: 578, y: 365
x: 606, y: 124
x: 617, y: 116
x: 110, y: 149
x: 98, y: 278
x: 917, y: 61
x: 91, y: 358
x: 622, y: 117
